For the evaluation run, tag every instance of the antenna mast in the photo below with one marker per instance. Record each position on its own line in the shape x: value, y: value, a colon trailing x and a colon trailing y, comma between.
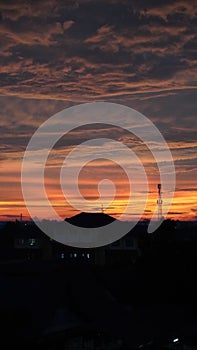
x: 159, y: 202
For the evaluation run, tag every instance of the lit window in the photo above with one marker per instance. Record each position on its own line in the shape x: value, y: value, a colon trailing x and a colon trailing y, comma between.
x: 176, y: 340
x: 88, y: 255
x: 75, y: 255
x: 32, y: 242
x: 62, y: 255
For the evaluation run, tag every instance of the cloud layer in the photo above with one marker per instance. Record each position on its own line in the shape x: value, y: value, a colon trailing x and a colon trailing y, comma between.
x: 79, y: 50
x: 56, y: 54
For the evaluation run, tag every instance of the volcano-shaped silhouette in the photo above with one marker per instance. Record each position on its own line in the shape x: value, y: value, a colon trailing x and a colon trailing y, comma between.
x: 90, y: 220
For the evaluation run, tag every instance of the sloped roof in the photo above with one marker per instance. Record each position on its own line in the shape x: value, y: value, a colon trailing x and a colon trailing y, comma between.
x: 90, y: 220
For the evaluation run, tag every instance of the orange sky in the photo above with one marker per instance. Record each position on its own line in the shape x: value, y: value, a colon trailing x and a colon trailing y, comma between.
x: 58, y: 54
x: 12, y: 204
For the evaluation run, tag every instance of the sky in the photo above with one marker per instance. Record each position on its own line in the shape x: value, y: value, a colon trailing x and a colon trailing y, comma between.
x: 58, y: 54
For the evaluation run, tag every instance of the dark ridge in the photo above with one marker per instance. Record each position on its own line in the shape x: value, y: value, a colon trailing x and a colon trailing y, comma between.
x: 90, y: 220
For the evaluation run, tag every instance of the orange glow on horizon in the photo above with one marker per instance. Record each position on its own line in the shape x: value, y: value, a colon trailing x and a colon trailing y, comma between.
x: 12, y: 204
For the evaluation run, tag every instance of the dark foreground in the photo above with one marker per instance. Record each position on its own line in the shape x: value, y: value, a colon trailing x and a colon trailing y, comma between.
x: 53, y: 305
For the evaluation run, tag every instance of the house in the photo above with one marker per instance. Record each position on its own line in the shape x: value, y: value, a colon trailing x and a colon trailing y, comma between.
x: 125, y: 249
x: 25, y: 241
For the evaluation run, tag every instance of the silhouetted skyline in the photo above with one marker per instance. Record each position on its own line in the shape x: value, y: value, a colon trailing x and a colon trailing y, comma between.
x: 58, y: 54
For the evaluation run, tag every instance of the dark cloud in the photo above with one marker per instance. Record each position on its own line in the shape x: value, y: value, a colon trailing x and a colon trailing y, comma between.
x: 175, y: 213
x: 188, y: 189
x: 55, y: 54
x: 75, y: 50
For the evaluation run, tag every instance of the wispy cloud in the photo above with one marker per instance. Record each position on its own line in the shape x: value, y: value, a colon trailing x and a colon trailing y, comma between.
x: 56, y: 54
x: 60, y: 51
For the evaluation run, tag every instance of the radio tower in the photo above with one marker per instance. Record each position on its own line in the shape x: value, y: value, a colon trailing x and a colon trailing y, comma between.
x: 159, y: 202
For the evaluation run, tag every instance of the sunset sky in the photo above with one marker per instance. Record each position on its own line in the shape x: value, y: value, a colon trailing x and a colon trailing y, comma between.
x: 57, y: 54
